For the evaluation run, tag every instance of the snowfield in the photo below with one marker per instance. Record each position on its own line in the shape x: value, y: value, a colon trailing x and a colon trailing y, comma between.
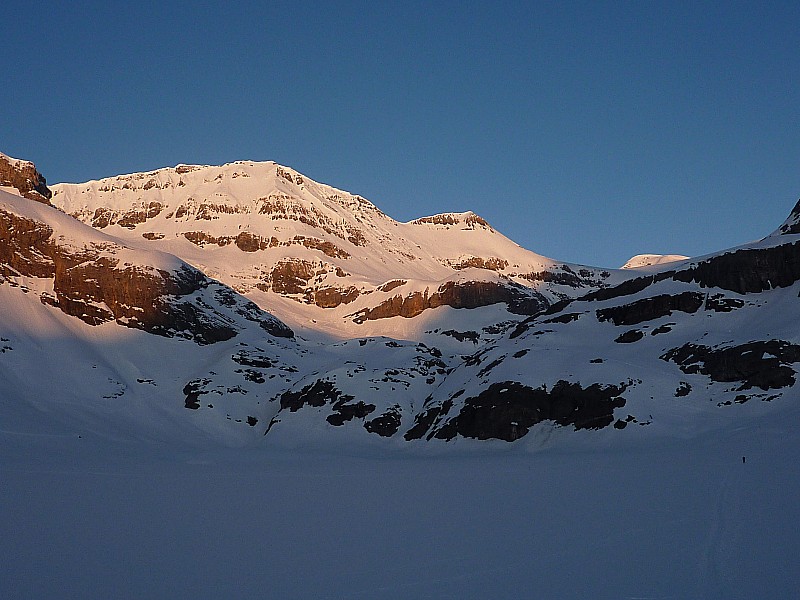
x: 682, y: 518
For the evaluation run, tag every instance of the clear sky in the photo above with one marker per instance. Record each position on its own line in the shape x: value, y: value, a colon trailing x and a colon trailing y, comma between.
x: 584, y: 131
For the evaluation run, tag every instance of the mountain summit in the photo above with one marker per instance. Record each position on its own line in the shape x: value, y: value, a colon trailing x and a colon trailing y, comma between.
x: 22, y: 176
x: 274, y: 235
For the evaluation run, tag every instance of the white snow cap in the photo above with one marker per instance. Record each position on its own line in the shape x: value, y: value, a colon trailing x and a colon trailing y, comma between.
x: 16, y: 162
x: 650, y: 260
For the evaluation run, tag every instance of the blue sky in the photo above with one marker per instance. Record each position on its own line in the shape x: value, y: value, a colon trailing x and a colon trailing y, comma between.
x: 585, y: 131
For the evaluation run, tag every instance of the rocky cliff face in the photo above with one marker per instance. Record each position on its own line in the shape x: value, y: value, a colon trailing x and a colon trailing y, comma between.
x: 23, y: 176
x: 99, y: 280
x: 24, y: 247
x: 458, y: 294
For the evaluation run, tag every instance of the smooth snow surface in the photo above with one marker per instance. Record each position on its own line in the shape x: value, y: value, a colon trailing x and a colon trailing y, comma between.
x: 679, y: 519
x: 649, y: 260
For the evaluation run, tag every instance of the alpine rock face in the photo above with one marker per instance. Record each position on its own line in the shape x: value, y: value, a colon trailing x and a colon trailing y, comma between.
x: 23, y: 178
x: 249, y: 304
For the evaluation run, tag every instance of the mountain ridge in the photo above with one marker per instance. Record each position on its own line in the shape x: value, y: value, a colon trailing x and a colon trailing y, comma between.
x: 673, y: 349
x: 269, y: 231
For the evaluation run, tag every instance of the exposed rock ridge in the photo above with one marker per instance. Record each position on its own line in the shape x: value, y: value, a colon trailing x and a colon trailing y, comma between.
x: 792, y: 225
x: 507, y: 410
x: 468, y: 220
x: 468, y: 294
x: 23, y: 176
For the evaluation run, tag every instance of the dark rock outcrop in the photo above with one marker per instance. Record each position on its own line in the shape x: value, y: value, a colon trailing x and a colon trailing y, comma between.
x: 25, y: 247
x: 249, y: 242
x: 634, y: 335
x: 318, y: 394
x: 718, y: 303
x: 90, y: 283
x: 565, y: 277
x: 250, y: 311
x: 508, y: 410
x: 792, y: 224
x: 469, y: 294
x: 627, y: 288
x: 461, y: 336
x: 648, y: 309
x: 331, y: 297
x: 467, y: 220
x: 136, y: 215
x: 321, y: 393
x: 762, y: 364
x: 745, y: 271
x: 23, y: 176
x: 476, y: 262
x: 97, y: 290
x: 425, y: 421
x: 291, y: 276
x: 344, y: 411
x: 201, y: 238
x: 385, y: 425
x: 192, y: 391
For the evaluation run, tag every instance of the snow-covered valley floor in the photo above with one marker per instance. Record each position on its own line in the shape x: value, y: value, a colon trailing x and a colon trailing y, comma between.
x: 86, y: 518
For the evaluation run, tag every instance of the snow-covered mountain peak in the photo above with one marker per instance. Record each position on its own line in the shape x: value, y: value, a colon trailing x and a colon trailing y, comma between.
x: 266, y: 230
x: 203, y: 192
x: 464, y: 220
x: 641, y: 261
x: 21, y: 177
x: 16, y: 162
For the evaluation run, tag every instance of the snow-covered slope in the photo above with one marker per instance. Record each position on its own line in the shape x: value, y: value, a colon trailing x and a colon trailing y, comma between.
x: 110, y: 335
x: 698, y: 344
x: 686, y: 519
x: 346, y: 267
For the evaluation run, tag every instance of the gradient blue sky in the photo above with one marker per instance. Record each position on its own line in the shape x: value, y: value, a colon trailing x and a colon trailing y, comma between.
x: 585, y: 131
